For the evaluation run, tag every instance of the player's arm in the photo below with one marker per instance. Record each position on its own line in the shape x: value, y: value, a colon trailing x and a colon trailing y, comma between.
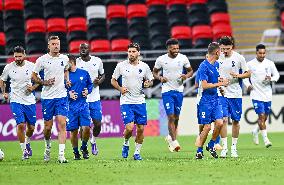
x: 89, y: 84
x: 31, y: 88
x: 157, y: 76
x: 3, y: 89
x: 206, y: 85
x: 37, y: 80
x: 99, y: 80
x: 189, y: 73
x: 246, y: 74
x: 149, y: 78
x: 274, y: 74
x: 115, y: 84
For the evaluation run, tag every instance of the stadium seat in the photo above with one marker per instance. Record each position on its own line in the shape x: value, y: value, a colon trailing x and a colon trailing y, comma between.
x: 136, y: 10
x: 35, y: 25
x: 56, y: 25
x: 31, y: 37
x: 178, y: 15
x: 128, y: 2
x: 181, y: 32
x: 76, y: 24
x: 201, y: 43
x: 282, y: 20
x: 217, y: 7
x: 76, y: 35
x: 2, y: 39
x: 154, y: 10
x: 271, y: 37
x: 201, y: 31
x: 116, y: 11
x: 156, y: 2
x: 96, y: 11
x: 143, y: 42
x: 98, y: 33
x: 220, y: 30
x: 1, y: 22
x: 96, y: 22
x: 198, y: 18
x: 74, y: 8
x: 13, y: 14
x: 36, y: 47
x: 33, y: 9
x: 138, y: 22
x: 172, y: 2
x: 159, y: 43
x: 198, y: 7
x: 111, y: 2
x: 154, y: 21
x: 117, y: 23
x: 185, y: 43
x: 94, y: 2
x: 189, y: 2
x: 100, y: 46
x: 14, y: 5
x: 13, y: 24
x: 75, y: 45
x: 159, y: 31
x: 54, y: 11
x: 134, y: 32
x: 50, y: 2
x: 118, y: 33
x: 119, y: 44
x: 220, y: 18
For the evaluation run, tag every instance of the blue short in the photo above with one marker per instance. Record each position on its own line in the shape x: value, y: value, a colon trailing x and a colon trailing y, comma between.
x: 232, y: 107
x: 172, y: 101
x: 54, y: 107
x: 78, y: 118
x: 261, y: 107
x: 96, y: 110
x: 136, y: 113
x: 24, y: 113
x: 209, y: 112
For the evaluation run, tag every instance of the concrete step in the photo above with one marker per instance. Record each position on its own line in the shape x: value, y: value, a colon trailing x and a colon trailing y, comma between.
x: 253, y: 11
x: 250, y: 4
x: 254, y: 23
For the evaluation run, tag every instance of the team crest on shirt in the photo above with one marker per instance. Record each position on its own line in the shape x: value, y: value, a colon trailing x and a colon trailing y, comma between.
x: 140, y: 71
x: 81, y: 78
x: 62, y: 64
x: 27, y: 72
x: 94, y: 65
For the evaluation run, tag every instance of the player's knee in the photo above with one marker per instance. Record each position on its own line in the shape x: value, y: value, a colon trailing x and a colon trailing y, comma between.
x: 207, y: 128
x: 31, y: 128
x: 21, y: 127
x: 171, y: 118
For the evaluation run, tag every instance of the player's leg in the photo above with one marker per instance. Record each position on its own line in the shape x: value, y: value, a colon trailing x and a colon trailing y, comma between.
x: 202, y: 138
x: 178, y: 98
x: 140, y: 121
x: 223, y: 131
x: 73, y: 126
x: 29, y: 134
x: 30, y: 112
x: 128, y: 120
x: 262, y: 123
x: 61, y: 112
x: 85, y: 124
x: 96, y: 115
x: 74, y: 142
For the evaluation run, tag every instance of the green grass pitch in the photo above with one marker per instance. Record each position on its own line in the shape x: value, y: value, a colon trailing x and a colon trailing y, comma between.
x: 256, y: 165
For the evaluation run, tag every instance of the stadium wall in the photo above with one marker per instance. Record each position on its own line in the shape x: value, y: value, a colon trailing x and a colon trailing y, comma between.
x: 112, y: 125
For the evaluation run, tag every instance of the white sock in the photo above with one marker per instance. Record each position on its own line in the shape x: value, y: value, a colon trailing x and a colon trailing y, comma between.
x: 93, y: 139
x: 126, y: 142
x: 264, y: 135
x: 256, y: 129
x: 61, y: 149
x: 225, y: 142
x: 47, y: 144
x: 169, y: 138
x: 27, y: 140
x: 234, y: 143
x: 137, y: 148
x: 23, y: 146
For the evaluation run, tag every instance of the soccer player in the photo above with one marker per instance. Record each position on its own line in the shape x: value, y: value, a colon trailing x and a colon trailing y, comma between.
x: 232, y: 67
x: 54, y: 95
x: 172, y: 65
x: 209, y: 107
x: 95, y: 68
x: 263, y: 73
x: 132, y: 100
x: 79, y: 86
x: 22, y: 100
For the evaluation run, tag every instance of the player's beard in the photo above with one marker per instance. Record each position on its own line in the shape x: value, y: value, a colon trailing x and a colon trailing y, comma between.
x: 19, y: 62
x: 132, y: 59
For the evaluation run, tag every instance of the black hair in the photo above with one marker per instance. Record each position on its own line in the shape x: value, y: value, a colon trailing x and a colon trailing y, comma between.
x: 19, y: 49
x: 259, y: 46
x: 171, y: 41
x: 53, y: 37
x: 226, y: 40
x: 134, y: 45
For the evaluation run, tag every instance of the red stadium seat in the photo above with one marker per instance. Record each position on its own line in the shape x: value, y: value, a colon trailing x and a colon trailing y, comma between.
x: 116, y: 11
x: 56, y: 25
x: 201, y: 31
x: 136, y: 10
x: 33, y: 58
x: 100, y: 46
x: 220, y: 18
x: 282, y: 20
x: 1, y: 5
x: 75, y: 45
x: 221, y: 30
x: 171, y: 2
x: 10, y: 59
x: 2, y: 39
x: 35, y: 25
x: 76, y: 24
x: 14, y: 5
x: 156, y: 2
x: 181, y: 32
x: 119, y: 44
x: 189, y: 2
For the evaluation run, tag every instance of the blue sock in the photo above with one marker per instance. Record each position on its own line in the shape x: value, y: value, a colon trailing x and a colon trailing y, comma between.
x: 75, y: 149
x: 199, y: 149
x: 84, y: 145
x: 211, y: 143
x: 218, y: 140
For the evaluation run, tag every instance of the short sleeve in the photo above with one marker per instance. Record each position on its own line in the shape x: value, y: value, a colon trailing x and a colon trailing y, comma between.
x: 38, y: 65
x: 5, y: 74
x: 158, y: 63
x: 149, y: 74
x: 244, y: 66
x: 186, y: 63
x: 203, y: 73
x: 116, y: 73
x: 101, y: 68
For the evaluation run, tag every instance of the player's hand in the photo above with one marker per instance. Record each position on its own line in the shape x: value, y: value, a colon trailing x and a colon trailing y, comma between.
x: 73, y: 95
x: 234, y: 75
x: 96, y: 82
x: 85, y: 92
x: 147, y: 84
x: 183, y: 77
x: 123, y: 90
x: 267, y: 78
x: 222, y: 91
x: 250, y: 88
x: 30, y: 88
x: 49, y: 82
x: 68, y: 83
x: 163, y: 79
x: 5, y: 96
x: 223, y: 82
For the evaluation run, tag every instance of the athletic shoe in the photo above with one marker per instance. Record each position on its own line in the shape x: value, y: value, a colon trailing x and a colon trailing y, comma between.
x: 77, y: 156
x: 218, y: 146
x: 46, y: 155
x: 268, y: 144
x: 29, y: 149
x: 95, y: 150
x: 199, y: 155
x: 255, y: 138
x: 176, y: 145
x: 234, y: 153
x: 212, y: 151
x: 125, y: 150
x: 137, y: 157
x: 224, y: 153
x: 62, y: 159
x: 168, y: 140
x: 25, y: 155
x: 85, y: 154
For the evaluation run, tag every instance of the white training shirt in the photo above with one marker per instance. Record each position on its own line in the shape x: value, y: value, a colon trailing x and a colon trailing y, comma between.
x: 259, y: 70
x: 94, y: 68
x: 52, y: 67
x: 132, y: 79
x: 20, y: 77
x: 234, y: 63
x: 172, y: 69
